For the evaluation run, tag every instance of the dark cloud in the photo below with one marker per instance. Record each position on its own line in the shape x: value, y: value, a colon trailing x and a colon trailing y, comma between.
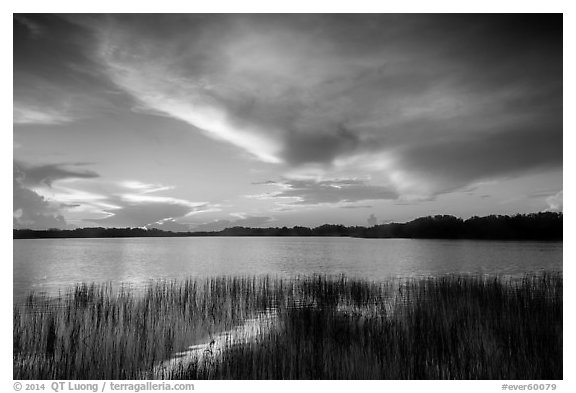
x: 462, y: 160
x: 542, y: 194
x: 51, y: 47
x: 318, y: 147
x: 46, y: 174
x: 69, y: 205
x: 30, y: 210
x: 311, y: 192
x: 23, y: 25
x: 56, y: 79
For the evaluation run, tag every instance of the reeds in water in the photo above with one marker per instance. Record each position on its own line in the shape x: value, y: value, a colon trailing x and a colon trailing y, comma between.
x: 450, y: 327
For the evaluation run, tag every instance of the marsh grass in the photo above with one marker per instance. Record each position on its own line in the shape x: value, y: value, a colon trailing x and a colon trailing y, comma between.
x: 449, y: 327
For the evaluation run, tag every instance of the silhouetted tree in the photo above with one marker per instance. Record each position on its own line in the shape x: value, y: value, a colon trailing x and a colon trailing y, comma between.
x: 535, y: 226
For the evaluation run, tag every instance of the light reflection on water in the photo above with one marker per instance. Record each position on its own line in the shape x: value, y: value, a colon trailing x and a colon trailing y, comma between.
x: 205, y: 353
x: 53, y: 265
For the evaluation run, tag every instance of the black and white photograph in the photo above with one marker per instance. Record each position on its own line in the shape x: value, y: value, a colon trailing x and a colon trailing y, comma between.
x: 287, y: 196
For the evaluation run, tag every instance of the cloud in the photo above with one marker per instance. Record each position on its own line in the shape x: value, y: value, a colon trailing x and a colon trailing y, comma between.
x: 34, y: 29
x: 450, y: 164
x: 237, y: 87
x: 55, y: 80
x: 144, y: 198
x: 265, y: 182
x: 356, y: 207
x: 45, y: 194
x: 142, y: 214
x: 24, y: 114
x: 37, y: 204
x: 159, y: 85
x: 30, y: 210
x: 314, y: 192
x: 319, y: 147
x: 144, y: 187
x: 555, y: 202
x: 46, y: 174
x: 145, y: 210
x: 311, y: 89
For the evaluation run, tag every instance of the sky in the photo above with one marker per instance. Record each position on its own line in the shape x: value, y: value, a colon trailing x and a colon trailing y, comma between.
x: 201, y: 122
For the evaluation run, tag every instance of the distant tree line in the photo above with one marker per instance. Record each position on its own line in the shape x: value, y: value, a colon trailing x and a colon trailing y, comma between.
x: 535, y: 226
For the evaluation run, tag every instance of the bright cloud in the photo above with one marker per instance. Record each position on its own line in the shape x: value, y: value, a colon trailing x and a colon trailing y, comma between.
x: 144, y: 187
x: 555, y: 202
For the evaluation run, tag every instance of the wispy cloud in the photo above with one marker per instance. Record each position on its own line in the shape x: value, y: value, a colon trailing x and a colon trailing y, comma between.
x: 144, y: 198
x: 45, y: 116
x: 139, y: 208
x: 48, y: 193
x: 141, y: 214
x: 55, y: 80
x: 338, y: 191
x: 156, y: 85
x: 144, y: 187
x: 357, y: 207
x: 34, y: 28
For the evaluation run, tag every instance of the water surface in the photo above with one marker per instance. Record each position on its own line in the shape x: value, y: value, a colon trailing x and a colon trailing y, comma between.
x: 52, y: 265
